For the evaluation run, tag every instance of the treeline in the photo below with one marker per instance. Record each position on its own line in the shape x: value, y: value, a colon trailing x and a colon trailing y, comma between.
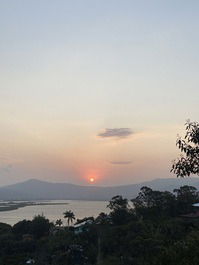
x: 155, y: 228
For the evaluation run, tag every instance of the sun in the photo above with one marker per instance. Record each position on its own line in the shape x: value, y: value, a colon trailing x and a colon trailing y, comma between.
x: 91, y: 179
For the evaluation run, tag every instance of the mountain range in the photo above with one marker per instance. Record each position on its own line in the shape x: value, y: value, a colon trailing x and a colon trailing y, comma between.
x: 34, y: 189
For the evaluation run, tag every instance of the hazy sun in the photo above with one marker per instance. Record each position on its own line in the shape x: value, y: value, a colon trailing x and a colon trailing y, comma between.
x: 92, y: 180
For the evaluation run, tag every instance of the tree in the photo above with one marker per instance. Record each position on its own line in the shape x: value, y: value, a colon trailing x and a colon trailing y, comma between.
x: 119, y: 210
x: 40, y: 226
x: 186, y: 196
x: 102, y: 219
x: 58, y: 222
x: 22, y: 227
x: 5, y: 228
x: 153, y: 203
x: 69, y: 215
x: 188, y: 163
x: 118, y: 202
x: 143, y: 200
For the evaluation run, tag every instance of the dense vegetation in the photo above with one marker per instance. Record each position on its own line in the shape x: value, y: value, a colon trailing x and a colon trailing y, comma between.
x: 155, y: 228
x: 188, y: 162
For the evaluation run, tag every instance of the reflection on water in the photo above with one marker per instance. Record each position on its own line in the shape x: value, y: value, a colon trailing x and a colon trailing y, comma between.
x: 81, y: 209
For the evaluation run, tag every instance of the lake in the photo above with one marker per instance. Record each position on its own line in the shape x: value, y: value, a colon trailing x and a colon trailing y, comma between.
x: 81, y: 209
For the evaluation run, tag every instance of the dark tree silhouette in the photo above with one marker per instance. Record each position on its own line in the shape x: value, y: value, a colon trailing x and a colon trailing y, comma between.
x: 69, y: 215
x: 58, y: 222
x: 119, y: 210
x: 40, y: 226
x: 186, y: 196
x: 118, y: 202
x: 153, y: 203
x: 188, y: 162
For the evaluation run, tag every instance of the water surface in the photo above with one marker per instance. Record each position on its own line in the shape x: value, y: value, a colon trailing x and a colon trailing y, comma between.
x: 81, y: 209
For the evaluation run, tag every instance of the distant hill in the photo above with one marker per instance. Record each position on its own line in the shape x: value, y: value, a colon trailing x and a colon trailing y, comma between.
x: 34, y: 189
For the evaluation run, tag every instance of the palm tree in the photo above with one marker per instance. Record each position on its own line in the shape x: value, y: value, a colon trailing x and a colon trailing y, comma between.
x: 69, y: 215
x: 58, y: 222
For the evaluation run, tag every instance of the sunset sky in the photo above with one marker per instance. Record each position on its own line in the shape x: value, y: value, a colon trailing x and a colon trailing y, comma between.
x: 95, y: 88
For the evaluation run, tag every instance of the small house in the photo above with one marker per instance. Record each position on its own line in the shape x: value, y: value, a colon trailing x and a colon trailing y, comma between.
x: 82, y: 227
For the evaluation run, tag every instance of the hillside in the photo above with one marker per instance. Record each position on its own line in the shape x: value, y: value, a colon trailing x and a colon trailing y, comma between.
x: 41, y: 190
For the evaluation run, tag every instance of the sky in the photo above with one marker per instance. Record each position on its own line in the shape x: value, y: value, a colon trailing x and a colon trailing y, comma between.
x: 95, y: 88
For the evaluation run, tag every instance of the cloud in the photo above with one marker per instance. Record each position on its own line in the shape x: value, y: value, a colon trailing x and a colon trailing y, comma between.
x: 116, y: 133
x: 121, y: 162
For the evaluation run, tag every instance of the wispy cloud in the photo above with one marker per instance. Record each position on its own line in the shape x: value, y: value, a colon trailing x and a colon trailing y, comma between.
x: 120, y: 162
x: 116, y: 133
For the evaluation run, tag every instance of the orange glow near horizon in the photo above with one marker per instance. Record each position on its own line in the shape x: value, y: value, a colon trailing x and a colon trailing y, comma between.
x: 91, y: 179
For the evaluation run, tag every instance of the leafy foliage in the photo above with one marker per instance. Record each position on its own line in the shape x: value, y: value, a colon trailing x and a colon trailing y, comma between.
x: 188, y: 163
x: 119, y: 210
x: 154, y: 203
x: 118, y: 202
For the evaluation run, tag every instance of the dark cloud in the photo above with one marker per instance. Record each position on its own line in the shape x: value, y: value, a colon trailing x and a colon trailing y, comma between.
x: 121, y: 162
x: 116, y: 132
